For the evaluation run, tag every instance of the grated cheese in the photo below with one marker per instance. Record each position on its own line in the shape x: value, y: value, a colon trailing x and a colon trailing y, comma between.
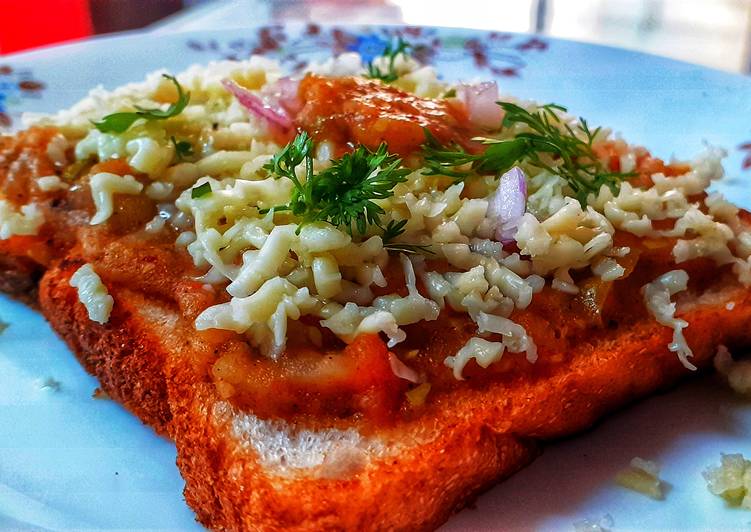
x: 481, y: 351
x: 657, y: 300
x: 159, y: 190
x: 26, y: 222
x: 731, y: 480
x: 642, y: 476
x: 104, y: 186
x: 50, y: 183
x: 92, y: 293
x: 737, y: 372
x: 608, y: 269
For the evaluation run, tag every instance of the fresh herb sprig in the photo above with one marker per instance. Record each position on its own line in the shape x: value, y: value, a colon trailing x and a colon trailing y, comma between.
x: 120, y: 122
x: 344, y: 194
x: 412, y: 249
x: 579, y: 164
x: 497, y: 157
x: 392, y: 230
x: 569, y: 148
x: 392, y: 51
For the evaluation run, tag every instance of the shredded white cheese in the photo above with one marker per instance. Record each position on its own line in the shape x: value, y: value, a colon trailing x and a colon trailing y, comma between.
x: 515, y: 338
x: 56, y: 150
x: 92, y: 293
x: 482, y: 351
x: 159, y: 190
x: 642, y: 476
x: 50, y: 183
x: 657, y: 300
x: 731, y: 480
x: 737, y: 372
x: 148, y: 157
x: 104, y: 186
x: 608, y: 269
x: 26, y: 222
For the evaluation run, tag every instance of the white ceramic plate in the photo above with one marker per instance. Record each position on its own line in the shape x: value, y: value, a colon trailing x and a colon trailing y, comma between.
x: 68, y: 461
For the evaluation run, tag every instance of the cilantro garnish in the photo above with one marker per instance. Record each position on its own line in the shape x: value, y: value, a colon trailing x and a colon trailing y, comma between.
x: 344, y: 194
x: 391, y: 52
x: 569, y: 149
x: 120, y: 122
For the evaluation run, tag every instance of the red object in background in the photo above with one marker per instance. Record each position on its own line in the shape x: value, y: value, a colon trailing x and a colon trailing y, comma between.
x: 28, y: 23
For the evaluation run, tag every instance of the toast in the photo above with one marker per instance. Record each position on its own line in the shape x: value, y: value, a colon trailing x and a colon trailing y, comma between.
x: 348, y: 398
x: 242, y: 473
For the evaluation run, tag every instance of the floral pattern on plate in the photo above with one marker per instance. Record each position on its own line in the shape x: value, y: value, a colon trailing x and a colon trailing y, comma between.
x: 502, y: 54
x: 15, y: 85
x: 745, y: 149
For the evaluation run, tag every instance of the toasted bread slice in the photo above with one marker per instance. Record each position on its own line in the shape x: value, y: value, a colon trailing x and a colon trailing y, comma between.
x: 242, y: 472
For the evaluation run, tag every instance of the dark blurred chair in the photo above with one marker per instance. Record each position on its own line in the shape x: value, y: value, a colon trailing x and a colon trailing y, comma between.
x: 108, y: 16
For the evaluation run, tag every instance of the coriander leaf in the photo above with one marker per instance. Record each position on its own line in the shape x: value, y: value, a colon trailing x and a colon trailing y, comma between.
x: 451, y: 93
x: 200, y: 191
x: 391, y: 52
x: 117, y: 122
x: 120, y: 122
x: 343, y: 194
x: 183, y: 148
x: 283, y: 163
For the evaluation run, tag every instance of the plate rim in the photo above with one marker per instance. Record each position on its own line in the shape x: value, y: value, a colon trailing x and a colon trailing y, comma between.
x: 79, y: 45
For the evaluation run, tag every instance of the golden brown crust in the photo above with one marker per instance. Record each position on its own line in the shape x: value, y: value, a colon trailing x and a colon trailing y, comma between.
x: 123, y: 353
x: 481, y: 437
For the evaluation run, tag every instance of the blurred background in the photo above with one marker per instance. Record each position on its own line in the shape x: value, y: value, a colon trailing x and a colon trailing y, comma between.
x: 714, y: 33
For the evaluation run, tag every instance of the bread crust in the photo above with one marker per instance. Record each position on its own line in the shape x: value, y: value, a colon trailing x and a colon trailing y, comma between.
x: 122, y: 354
x: 467, y: 441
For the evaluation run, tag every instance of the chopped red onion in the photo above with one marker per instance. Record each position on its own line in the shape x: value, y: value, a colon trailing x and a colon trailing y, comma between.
x: 480, y: 101
x: 274, y: 114
x: 508, y: 204
x: 285, y: 92
x: 401, y: 370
